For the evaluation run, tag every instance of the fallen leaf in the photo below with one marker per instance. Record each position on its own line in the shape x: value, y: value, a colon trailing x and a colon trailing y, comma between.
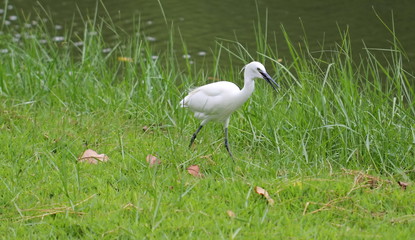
x: 125, y: 59
x: 152, y: 160
x: 231, y: 213
x: 92, y: 157
x: 264, y: 193
x: 261, y: 191
x: 403, y: 185
x: 195, y: 171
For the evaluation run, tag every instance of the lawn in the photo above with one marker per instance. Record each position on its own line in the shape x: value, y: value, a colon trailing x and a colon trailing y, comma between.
x: 334, y: 148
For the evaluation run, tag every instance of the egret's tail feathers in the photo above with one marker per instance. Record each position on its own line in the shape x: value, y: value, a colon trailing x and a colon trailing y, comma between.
x: 185, y: 100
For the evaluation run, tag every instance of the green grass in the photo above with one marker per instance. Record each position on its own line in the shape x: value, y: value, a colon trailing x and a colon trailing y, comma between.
x: 333, y: 113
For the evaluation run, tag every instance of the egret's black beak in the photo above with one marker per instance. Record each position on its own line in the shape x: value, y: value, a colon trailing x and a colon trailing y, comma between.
x: 271, y: 81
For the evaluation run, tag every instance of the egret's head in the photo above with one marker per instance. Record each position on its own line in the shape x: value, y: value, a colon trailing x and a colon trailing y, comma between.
x: 257, y: 70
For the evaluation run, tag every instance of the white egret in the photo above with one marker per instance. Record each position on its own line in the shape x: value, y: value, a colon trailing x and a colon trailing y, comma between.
x: 217, y: 101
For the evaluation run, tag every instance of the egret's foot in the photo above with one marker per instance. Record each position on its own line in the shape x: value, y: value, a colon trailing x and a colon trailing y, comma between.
x: 229, y: 151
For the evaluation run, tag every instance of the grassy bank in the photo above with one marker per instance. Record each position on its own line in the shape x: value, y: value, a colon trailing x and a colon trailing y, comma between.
x: 329, y: 147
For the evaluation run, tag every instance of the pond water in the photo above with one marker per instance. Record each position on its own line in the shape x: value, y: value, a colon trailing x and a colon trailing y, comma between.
x: 202, y: 23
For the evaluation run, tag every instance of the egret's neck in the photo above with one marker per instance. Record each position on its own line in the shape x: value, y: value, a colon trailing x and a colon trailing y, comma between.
x: 249, y: 86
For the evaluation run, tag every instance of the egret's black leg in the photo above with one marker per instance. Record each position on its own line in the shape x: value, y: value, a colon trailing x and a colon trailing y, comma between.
x: 194, y: 135
x: 226, y: 142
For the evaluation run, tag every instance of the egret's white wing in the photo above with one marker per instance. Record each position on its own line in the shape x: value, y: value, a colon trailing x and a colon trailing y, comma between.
x: 213, y: 101
x: 209, y: 96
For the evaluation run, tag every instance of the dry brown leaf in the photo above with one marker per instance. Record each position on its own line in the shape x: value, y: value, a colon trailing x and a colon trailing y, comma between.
x: 231, y: 214
x: 195, y: 171
x: 152, y: 160
x: 261, y: 191
x: 264, y: 193
x: 92, y: 157
x: 403, y: 185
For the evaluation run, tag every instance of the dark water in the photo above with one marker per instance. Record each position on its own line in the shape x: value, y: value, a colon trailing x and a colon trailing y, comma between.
x: 202, y: 23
